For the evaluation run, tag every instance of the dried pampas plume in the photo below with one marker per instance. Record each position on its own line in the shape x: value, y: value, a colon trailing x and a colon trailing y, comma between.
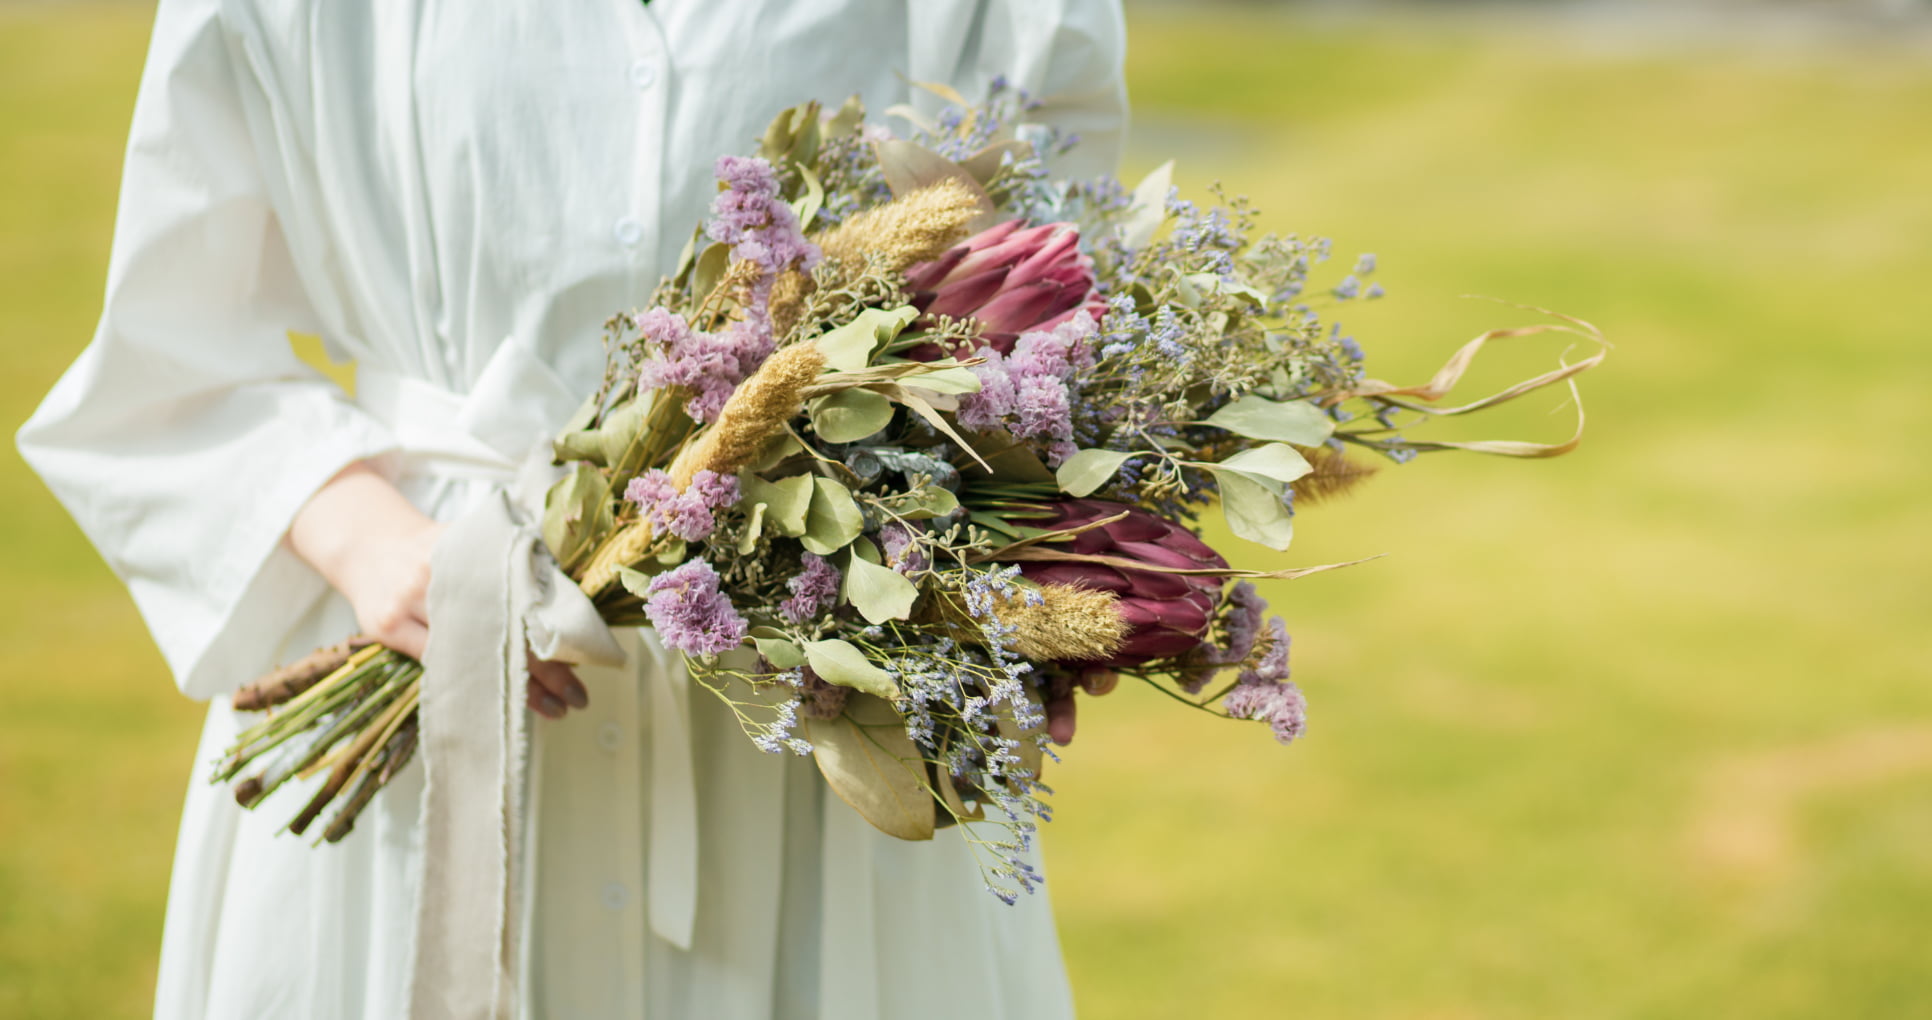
x: 1069, y: 625
x: 916, y: 227
x: 756, y: 411
x: 1333, y: 477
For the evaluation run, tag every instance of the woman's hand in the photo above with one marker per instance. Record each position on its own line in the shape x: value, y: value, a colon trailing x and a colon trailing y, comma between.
x: 1060, y: 711
x: 373, y: 546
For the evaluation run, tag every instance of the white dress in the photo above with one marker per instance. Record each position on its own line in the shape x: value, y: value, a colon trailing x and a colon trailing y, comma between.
x: 456, y: 196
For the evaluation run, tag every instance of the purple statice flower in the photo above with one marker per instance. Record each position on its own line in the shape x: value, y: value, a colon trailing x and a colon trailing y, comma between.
x: 1027, y: 390
x: 1281, y: 704
x: 691, y: 614
x: 1245, y: 606
x: 708, y: 365
x: 1273, y: 664
x: 751, y: 217
x: 989, y: 407
x: 814, y: 590
x: 902, y: 550
x: 714, y: 490
x: 689, y: 514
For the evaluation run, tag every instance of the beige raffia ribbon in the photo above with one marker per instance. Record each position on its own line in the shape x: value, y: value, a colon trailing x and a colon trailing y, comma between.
x: 493, y: 591
x: 493, y: 587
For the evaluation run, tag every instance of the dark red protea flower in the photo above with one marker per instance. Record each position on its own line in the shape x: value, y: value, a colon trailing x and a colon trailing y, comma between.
x: 1012, y: 278
x: 1168, y: 614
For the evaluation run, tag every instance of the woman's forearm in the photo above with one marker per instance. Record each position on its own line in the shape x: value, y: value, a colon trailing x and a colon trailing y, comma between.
x: 372, y: 545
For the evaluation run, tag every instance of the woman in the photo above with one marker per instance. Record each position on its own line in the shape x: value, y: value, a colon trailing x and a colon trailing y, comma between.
x: 456, y: 197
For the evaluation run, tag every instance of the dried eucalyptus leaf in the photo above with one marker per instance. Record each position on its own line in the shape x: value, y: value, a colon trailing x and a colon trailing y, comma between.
x: 986, y: 163
x: 1088, y: 470
x: 851, y: 114
x: 1278, y: 461
x: 777, y: 649
x: 1253, y: 507
x: 832, y: 520
x: 1148, y: 210
x: 712, y: 263
x: 868, y: 760
x: 786, y: 501
x: 754, y: 527
x: 842, y: 663
x: 1299, y: 421
x: 576, y: 515
x: 850, y: 415
x: 809, y: 203
x: 953, y: 379
x: 849, y: 347
x: 635, y: 581
x: 879, y: 593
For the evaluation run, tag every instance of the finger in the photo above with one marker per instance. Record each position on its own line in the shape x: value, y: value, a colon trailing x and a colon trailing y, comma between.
x: 1059, y: 713
x: 1099, y: 681
x: 560, y: 681
x: 544, y: 703
x: 408, y: 637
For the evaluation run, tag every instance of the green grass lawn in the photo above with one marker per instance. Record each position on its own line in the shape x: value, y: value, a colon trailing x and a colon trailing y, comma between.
x: 1641, y: 732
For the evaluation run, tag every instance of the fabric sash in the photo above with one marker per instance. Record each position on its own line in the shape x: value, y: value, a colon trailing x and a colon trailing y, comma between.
x: 494, y: 588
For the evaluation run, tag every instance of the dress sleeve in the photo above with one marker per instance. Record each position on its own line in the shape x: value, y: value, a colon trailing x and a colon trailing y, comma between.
x: 188, y: 433
x: 1080, y: 79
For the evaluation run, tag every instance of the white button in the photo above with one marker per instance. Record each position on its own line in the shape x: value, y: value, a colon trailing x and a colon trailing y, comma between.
x: 643, y: 74
x: 628, y: 232
x: 615, y: 895
x: 609, y: 736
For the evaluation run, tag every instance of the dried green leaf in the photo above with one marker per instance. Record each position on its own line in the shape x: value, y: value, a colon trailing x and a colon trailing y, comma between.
x: 850, y: 415
x: 868, y: 760
x: 786, y: 501
x: 779, y: 650
x: 1088, y: 470
x: 842, y: 663
x: 833, y: 519
x: 879, y: 593
x: 1299, y: 421
x: 1253, y: 507
x: 1148, y: 210
x: 1278, y: 461
x: 712, y: 263
x: 849, y: 347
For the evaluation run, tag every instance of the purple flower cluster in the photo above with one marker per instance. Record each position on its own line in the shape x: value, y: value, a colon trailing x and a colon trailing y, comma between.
x: 1274, y: 658
x: 1281, y: 704
x: 751, y: 217
x: 1245, y: 606
x: 1262, y: 692
x: 708, y: 365
x: 902, y: 549
x: 691, y: 614
x: 688, y: 514
x: 1028, y: 390
x: 814, y: 590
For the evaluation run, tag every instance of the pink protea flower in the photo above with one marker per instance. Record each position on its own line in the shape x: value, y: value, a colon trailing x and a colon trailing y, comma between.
x: 1168, y: 614
x: 1012, y: 278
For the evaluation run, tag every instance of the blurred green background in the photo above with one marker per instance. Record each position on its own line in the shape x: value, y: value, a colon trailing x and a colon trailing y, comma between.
x: 1641, y: 732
